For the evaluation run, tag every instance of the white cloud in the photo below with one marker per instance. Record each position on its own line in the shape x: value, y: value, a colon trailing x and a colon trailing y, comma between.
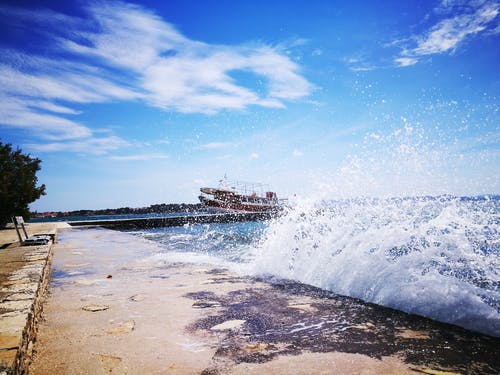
x: 470, y: 19
x: 139, y: 157
x: 23, y: 114
x: 125, y: 52
x: 96, y: 146
x: 254, y: 156
x: 76, y: 87
x: 362, y: 68
x: 297, y: 153
x: 52, y: 107
x: 184, y: 75
x: 31, y: 100
x: 359, y: 63
x: 215, y: 145
x: 449, y: 33
x: 406, y: 61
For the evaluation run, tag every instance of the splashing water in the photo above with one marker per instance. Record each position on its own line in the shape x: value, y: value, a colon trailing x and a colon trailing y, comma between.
x: 437, y: 257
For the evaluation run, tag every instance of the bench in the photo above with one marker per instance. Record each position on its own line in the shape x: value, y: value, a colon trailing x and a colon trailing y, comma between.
x: 34, y: 240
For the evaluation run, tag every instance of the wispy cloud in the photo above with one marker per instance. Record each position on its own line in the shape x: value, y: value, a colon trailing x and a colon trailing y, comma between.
x: 215, y: 145
x: 366, y: 68
x: 359, y: 63
x: 91, y: 145
x: 405, y: 61
x: 139, y: 157
x: 124, y: 52
x: 469, y: 20
x: 30, y: 114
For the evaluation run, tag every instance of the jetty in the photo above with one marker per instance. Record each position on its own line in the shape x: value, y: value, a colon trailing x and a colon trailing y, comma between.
x: 172, y: 221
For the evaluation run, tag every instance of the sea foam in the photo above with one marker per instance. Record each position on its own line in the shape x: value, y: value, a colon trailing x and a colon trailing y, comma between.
x: 434, y: 256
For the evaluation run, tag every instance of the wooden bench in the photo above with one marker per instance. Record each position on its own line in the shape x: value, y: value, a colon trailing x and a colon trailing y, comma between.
x: 34, y: 240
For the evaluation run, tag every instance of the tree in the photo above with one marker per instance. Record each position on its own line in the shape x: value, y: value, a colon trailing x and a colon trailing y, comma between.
x: 17, y: 183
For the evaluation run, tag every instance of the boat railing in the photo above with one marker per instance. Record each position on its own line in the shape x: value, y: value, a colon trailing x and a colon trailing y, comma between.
x: 245, y: 187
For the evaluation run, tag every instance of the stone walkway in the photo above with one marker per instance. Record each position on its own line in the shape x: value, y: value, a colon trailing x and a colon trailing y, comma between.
x: 24, y: 274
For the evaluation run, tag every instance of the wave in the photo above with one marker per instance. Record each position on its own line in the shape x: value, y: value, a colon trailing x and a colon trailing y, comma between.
x: 434, y: 256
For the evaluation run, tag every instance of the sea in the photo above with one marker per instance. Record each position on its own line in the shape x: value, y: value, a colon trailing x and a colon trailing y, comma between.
x: 435, y: 256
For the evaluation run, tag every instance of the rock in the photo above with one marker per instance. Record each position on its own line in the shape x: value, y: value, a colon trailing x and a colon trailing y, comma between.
x: 229, y: 324
x: 411, y: 334
x: 137, y: 298
x: 95, y: 307
x: 256, y: 347
x: 437, y: 372
x: 206, y: 304
x: 303, y: 307
x: 125, y: 327
x: 86, y: 282
x: 365, y: 327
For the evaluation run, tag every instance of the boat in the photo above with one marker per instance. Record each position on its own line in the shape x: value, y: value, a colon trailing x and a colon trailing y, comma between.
x: 241, y: 196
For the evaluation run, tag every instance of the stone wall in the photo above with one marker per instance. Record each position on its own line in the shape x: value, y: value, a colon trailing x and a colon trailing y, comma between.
x: 24, y: 277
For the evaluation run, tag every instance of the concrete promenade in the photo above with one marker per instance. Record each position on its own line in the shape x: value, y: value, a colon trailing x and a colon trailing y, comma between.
x: 117, y: 306
x: 24, y: 275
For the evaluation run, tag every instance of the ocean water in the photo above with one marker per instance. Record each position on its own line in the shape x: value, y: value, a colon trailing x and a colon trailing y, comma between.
x: 438, y: 257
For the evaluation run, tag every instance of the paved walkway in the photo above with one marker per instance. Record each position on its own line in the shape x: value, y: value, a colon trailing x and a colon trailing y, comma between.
x: 175, y: 318
x: 117, y: 305
x: 24, y: 274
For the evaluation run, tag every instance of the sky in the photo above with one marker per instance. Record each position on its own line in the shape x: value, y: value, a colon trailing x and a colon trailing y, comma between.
x: 139, y: 103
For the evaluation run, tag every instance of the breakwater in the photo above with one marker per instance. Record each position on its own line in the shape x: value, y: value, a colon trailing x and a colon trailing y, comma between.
x: 171, y: 221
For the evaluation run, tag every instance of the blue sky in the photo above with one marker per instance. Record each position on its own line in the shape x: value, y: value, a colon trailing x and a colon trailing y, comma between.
x: 137, y: 103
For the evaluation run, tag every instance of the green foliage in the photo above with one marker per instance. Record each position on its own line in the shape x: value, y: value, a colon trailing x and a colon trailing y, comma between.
x: 17, y: 183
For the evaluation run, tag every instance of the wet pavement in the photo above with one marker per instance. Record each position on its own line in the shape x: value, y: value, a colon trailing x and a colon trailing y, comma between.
x: 287, y: 318
x: 114, y: 307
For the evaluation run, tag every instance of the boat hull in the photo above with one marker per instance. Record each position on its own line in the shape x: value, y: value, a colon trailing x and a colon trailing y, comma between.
x: 238, y: 206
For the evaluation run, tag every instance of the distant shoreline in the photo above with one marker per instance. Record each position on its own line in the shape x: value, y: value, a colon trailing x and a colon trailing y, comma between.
x: 155, y: 210
x: 91, y: 218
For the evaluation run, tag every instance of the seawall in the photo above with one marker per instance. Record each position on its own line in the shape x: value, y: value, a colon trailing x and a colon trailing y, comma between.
x: 24, y: 277
x: 158, y: 222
